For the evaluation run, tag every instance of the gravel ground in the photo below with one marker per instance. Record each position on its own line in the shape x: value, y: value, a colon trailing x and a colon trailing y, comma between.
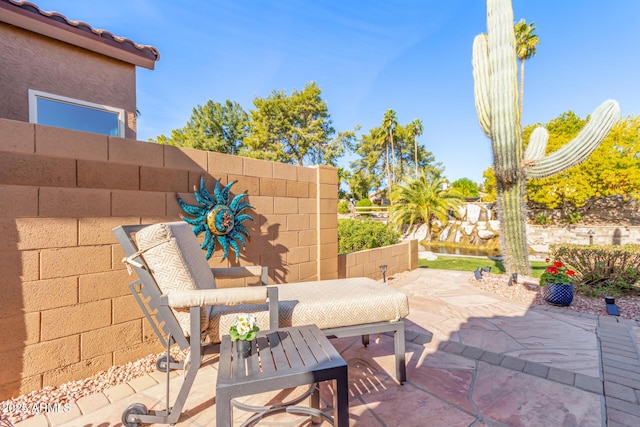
x: 525, y: 290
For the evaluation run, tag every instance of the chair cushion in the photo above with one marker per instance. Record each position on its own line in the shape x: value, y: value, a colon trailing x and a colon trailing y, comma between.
x: 326, y: 303
x: 173, y: 255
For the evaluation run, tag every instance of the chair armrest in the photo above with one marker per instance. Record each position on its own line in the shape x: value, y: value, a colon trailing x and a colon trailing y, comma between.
x: 241, y: 272
x: 208, y: 297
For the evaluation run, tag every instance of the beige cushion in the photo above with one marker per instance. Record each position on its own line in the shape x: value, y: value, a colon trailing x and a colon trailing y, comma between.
x: 326, y: 303
x: 173, y: 255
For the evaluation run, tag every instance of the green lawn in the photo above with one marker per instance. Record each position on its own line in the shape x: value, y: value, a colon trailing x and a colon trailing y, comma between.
x: 471, y: 264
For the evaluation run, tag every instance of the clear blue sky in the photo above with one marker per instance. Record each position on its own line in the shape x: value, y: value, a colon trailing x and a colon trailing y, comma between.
x: 411, y: 56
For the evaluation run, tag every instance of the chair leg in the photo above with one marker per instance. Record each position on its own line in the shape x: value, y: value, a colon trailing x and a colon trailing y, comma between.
x: 401, y: 369
x: 365, y: 340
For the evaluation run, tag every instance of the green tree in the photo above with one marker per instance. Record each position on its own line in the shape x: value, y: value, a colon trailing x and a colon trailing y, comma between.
x: 389, y: 121
x: 422, y: 200
x: 612, y: 169
x: 416, y: 128
x: 489, y: 186
x: 526, y: 43
x: 466, y: 187
x: 295, y: 129
x: 213, y: 127
x: 372, y: 153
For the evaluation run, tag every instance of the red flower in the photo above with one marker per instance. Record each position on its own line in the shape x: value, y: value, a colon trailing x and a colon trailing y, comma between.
x: 557, y: 264
x: 547, y: 259
x: 552, y: 270
x: 571, y: 273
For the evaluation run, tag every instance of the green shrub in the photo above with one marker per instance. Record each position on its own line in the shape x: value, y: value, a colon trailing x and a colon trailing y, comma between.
x: 343, y: 207
x: 541, y: 219
x: 356, y: 235
x: 602, y: 270
x: 366, y: 203
x: 573, y: 217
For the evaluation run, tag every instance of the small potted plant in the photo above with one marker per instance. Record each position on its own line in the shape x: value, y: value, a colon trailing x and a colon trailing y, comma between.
x: 556, y: 284
x: 243, y: 332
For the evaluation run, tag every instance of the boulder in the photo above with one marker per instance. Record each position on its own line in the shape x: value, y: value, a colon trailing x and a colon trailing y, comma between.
x: 486, y: 234
x: 473, y: 213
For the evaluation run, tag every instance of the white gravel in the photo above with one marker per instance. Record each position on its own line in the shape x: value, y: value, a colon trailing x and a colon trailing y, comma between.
x: 525, y: 290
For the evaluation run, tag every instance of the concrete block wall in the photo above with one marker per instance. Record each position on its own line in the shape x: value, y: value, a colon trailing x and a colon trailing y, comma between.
x: 65, y: 309
x: 398, y: 258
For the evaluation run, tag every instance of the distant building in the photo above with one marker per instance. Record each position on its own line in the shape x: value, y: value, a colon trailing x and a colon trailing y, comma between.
x: 64, y: 73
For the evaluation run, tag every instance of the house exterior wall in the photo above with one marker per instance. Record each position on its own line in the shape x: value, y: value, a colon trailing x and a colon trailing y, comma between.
x: 31, y: 61
x: 66, y: 311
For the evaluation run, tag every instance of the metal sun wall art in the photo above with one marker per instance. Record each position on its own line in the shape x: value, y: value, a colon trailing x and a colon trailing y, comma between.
x: 219, y: 219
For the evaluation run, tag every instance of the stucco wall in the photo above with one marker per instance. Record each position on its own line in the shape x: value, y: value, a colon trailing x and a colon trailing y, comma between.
x: 65, y: 308
x: 31, y: 61
x: 398, y: 258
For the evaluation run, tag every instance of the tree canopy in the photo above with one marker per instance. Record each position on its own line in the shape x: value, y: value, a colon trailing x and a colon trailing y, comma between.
x: 373, y: 159
x: 295, y: 129
x: 213, y: 127
x: 612, y: 169
x: 466, y: 187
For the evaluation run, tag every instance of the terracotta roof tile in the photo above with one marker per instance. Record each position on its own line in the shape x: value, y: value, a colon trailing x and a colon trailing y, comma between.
x: 56, y: 18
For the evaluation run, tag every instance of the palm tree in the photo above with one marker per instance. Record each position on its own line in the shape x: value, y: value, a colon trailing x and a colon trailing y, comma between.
x: 526, y: 43
x: 422, y: 199
x: 417, y: 129
x: 388, y: 123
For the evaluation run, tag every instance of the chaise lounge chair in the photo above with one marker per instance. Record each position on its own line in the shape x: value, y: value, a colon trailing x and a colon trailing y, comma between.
x: 177, y: 293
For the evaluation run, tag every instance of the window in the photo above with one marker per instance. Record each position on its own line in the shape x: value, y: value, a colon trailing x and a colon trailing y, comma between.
x: 53, y: 110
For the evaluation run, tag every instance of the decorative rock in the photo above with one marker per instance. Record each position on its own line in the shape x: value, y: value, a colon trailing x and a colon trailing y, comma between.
x: 473, y: 213
x: 486, y: 234
x: 420, y: 233
x: 494, y: 225
x: 458, y: 236
x: 468, y: 230
x: 445, y: 233
x: 428, y: 255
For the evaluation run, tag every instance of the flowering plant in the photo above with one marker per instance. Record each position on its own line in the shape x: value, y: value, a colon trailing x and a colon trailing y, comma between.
x: 245, y: 328
x: 557, y: 273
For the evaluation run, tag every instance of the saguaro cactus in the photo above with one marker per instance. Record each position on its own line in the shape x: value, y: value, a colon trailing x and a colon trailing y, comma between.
x: 496, y: 97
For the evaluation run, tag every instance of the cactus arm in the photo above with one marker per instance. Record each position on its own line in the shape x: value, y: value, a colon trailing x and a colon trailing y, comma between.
x: 480, y: 62
x: 537, y: 145
x: 576, y: 151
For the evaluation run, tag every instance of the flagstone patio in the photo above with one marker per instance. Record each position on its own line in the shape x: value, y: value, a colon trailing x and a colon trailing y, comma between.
x: 473, y: 359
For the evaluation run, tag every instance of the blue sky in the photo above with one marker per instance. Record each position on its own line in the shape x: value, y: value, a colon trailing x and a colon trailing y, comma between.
x: 411, y: 56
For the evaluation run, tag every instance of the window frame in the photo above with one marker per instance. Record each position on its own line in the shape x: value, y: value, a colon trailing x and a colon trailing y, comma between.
x: 33, y: 108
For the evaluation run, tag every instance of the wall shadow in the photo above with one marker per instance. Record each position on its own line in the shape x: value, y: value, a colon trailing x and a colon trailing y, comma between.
x: 617, y: 237
x: 12, y: 314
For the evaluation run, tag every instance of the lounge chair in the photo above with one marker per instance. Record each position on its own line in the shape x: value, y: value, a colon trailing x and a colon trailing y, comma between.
x: 177, y: 293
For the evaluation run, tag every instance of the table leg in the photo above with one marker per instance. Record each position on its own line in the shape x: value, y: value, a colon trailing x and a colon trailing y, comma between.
x: 223, y: 409
x: 315, y: 402
x: 341, y: 399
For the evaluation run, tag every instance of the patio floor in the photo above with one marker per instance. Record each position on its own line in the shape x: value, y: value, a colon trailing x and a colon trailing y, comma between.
x: 473, y: 359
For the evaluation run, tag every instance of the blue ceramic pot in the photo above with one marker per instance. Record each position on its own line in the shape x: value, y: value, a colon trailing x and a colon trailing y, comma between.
x: 557, y: 293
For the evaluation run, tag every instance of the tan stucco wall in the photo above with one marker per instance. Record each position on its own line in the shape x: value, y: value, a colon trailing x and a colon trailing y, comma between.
x: 65, y: 308
x: 398, y: 259
x: 31, y: 61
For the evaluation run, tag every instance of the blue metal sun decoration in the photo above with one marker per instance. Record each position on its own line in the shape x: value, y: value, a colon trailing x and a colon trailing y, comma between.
x: 219, y: 219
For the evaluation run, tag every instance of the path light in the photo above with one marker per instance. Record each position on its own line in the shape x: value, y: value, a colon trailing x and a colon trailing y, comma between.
x: 513, y: 279
x: 383, y: 270
x: 487, y: 269
x: 590, y: 233
x: 478, y: 273
x: 612, y: 308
